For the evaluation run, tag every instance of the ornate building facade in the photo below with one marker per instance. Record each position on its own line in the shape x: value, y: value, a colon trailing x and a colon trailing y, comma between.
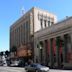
x: 22, y: 31
x: 53, y: 45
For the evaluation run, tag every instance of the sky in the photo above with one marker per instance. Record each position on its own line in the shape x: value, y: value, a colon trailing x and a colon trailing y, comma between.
x: 10, y: 11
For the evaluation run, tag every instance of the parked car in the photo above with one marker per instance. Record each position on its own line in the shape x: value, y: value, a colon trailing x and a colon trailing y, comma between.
x: 36, y: 68
x: 21, y: 63
x: 15, y: 64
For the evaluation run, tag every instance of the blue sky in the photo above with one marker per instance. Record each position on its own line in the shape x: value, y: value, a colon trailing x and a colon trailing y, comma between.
x: 10, y: 11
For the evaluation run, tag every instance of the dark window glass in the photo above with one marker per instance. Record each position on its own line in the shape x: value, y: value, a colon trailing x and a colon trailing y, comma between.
x: 48, y: 23
x: 52, y: 23
x: 45, y: 23
x: 41, y: 23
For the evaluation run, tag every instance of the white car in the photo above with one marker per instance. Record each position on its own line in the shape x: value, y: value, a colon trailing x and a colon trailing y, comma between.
x: 15, y: 63
x: 36, y: 68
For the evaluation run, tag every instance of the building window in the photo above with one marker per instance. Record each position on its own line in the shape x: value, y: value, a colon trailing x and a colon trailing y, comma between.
x: 48, y: 18
x: 48, y: 23
x: 41, y: 23
x: 45, y: 23
x: 52, y: 23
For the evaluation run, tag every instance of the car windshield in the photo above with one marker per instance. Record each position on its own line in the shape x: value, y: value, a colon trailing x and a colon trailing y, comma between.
x: 37, y: 65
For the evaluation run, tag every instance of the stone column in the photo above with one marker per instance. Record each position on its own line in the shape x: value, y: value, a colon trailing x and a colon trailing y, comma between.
x: 37, y: 54
x: 51, y: 53
x: 36, y: 51
x: 48, y: 48
x: 45, y: 52
x: 71, y: 46
x: 65, y: 49
x: 41, y: 48
x: 58, y: 58
x: 54, y: 51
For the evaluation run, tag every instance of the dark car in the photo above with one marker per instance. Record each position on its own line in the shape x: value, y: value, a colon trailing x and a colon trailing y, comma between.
x: 21, y: 63
x: 36, y: 68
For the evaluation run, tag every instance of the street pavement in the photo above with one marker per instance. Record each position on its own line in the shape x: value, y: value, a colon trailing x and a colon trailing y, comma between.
x: 12, y: 69
x: 55, y: 70
x: 18, y: 69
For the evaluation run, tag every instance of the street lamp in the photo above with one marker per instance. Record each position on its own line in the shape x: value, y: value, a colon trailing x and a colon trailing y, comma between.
x: 40, y: 47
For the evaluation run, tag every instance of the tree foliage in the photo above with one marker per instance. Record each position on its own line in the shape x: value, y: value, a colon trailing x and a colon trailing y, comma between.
x: 1, y: 53
x: 7, y: 52
x: 14, y: 49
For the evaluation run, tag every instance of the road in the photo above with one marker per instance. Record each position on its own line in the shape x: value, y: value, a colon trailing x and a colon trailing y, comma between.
x: 17, y: 69
x: 12, y: 69
x: 54, y: 70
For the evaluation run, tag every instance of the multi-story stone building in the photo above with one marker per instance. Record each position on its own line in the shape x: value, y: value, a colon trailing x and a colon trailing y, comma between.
x: 22, y: 31
x: 53, y: 45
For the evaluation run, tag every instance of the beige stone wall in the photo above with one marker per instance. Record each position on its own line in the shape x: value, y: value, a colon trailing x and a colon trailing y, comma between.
x: 17, y: 31
x: 37, y: 13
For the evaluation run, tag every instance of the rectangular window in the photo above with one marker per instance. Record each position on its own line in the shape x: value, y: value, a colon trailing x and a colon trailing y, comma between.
x: 48, y: 23
x: 41, y: 23
x: 45, y: 23
x: 52, y: 23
